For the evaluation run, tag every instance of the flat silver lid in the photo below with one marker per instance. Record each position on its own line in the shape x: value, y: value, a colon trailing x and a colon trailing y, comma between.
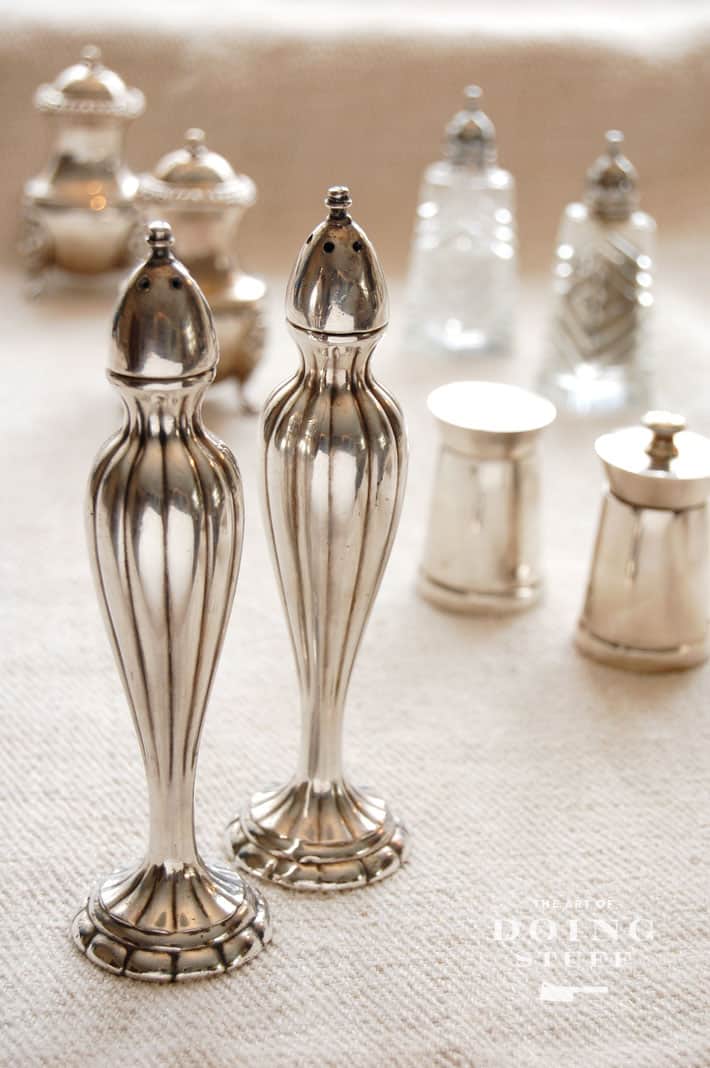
x: 91, y: 89
x: 659, y: 464
x: 337, y: 285
x: 162, y: 327
x: 483, y: 418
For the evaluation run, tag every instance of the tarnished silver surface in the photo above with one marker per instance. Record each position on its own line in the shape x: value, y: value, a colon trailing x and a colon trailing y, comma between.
x: 648, y: 596
x: 482, y: 547
x: 78, y: 213
x: 204, y: 199
x: 335, y: 457
x: 165, y: 527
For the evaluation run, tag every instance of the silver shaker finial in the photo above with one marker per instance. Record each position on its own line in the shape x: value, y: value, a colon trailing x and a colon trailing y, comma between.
x: 334, y: 469
x: 165, y: 523
x: 470, y: 135
x: 611, y: 190
x: 664, y: 426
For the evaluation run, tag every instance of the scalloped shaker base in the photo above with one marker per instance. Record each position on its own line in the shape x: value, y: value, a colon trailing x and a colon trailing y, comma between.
x: 338, y: 838
x: 166, y: 925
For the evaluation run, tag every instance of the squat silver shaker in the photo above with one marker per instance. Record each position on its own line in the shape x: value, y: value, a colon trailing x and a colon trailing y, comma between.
x: 648, y: 596
x: 482, y: 549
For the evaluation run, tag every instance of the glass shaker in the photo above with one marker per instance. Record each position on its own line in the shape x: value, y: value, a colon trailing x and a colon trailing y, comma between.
x: 462, y: 279
x: 598, y: 350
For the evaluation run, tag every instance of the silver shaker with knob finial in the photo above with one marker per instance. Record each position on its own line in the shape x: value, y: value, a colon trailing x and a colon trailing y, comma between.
x: 335, y: 459
x: 648, y: 596
x: 165, y: 525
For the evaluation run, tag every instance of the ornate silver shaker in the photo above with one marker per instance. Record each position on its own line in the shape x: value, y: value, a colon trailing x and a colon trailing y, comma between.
x: 78, y: 213
x: 648, y: 597
x: 204, y: 200
x: 598, y: 355
x: 165, y: 525
x: 482, y: 547
x: 335, y: 459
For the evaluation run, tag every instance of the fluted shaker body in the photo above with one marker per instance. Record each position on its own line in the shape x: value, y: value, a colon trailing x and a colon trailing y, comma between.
x: 335, y: 457
x: 165, y: 527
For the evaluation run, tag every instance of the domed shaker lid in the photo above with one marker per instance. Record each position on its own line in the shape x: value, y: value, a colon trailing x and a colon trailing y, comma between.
x: 611, y: 190
x: 659, y: 464
x: 196, y: 176
x: 162, y: 327
x: 471, y: 136
x: 489, y: 418
x: 91, y: 89
x: 337, y: 285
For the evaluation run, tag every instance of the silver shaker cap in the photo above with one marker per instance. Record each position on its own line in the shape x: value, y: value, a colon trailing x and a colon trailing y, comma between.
x: 659, y: 464
x: 337, y: 285
x: 89, y: 89
x: 471, y: 136
x: 611, y: 190
x: 196, y: 177
x: 162, y: 327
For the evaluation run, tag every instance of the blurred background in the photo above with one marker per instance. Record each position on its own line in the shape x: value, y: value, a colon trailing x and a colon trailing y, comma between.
x: 302, y: 95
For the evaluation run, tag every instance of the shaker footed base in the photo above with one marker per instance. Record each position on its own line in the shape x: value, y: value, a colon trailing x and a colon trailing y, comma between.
x: 170, y: 925
x: 339, y: 838
x: 456, y: 600
x: 631, y: 659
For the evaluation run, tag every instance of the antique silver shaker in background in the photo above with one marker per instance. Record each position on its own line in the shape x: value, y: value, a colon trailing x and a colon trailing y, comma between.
x: 165, y: 525
x: 598, y: 356
x: 648, y: 595
x: 482, y: 547
x: 204, y: 199
x: 78, y: 213
x: 335, y: 458
x: 462, y: 282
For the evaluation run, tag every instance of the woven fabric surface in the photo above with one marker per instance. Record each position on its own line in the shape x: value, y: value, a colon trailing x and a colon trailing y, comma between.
x: 528, y: 775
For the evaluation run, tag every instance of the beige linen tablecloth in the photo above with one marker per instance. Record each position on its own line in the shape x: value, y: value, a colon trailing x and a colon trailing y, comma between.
x: 538, y: 787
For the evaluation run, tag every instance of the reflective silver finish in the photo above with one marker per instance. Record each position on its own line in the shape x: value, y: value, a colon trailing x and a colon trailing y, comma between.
x: 335, y: 457
x: 204, y: 200
x: 78, y: 213
x: 482, y: 547
x: 648, y: 595
x: 165, y: 524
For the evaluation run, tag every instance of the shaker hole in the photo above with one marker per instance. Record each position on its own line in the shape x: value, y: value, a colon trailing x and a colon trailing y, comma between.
x: 144, y: 283
x: 176, y: 283
x: 357, y: 245
x: 328, y: 246
x: 309, y: 239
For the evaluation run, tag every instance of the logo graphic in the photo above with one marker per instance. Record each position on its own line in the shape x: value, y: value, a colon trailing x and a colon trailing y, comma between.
x: 572, y: 948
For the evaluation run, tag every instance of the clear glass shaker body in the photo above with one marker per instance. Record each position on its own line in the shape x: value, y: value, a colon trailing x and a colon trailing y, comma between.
x: 463, y: 273
x: 598, y: 357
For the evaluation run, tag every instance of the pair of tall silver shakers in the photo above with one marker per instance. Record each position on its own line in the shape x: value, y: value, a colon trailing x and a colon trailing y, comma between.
x: 648, y: 596
x: 165, y: 524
